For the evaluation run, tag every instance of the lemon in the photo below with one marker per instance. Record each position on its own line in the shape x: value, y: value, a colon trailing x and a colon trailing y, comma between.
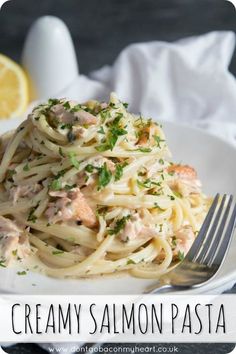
x: 13, y: 88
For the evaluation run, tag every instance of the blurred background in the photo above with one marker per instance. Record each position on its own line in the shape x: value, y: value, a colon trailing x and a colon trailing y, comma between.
x: 100, y: 30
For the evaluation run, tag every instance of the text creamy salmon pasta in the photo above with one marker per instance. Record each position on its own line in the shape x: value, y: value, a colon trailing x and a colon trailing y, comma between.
x: 89, y: 189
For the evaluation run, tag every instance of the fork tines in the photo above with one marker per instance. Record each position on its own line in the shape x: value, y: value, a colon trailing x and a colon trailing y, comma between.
x: 214, y: 237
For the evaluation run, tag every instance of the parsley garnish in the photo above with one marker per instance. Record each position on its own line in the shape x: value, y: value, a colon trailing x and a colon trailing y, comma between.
x: 57, y: 252
x: 73, y: 160
x: 158, y: 207
x: 2, y: 264
x: 174, y: 243
x: 26, y: 167
x: 177, y: 194
x: 119, y: 171
x: 142, y: 149
x: 115, y: 130
x: 76, y: 108
x: 181, y: 256
x: 55, y: 185
x: 69, y: 187
x: 158, y: 140
x: 130, y: 261
x: 104, y: 176
x: 161, y: 162
x: 125, y: 104
x: 89, y: 168
x: 148, y: 183
x: 22, y: 273
x: 171, y: 197
x: 53, y: 101
x: 120, y: 224
x: 101, y: 131
x: 66, y: 105
x: 31, y: 216
x: 66, y: 126
x: 61, y: 152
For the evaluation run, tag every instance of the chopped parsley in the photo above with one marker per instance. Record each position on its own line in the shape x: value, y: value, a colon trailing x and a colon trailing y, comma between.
x: 89, y: 168
x: 143, y: 149
x: 120, y: 224
x: 31, y: 216
x: 181, y: 256
x: 174, y: 242
x: 66, y: 105
x: 158, y: 207
x: 104, y: 176
x: 148, y: 183
x: 66, y: 126
x: 76, y: 108
x: 26, y: 168
x: 56, y: 252
x: 69, y: 187
x: 104, y: 115
x: 73, y: 160
x: 101, y: 131
x: 61, y: 152
x: 53, y: 101
x: 22, y: 273
x: 55, y: 185
x: 161, y: 162
x: 130, y: 261
x: 119, y: 171
x: 2, y: 264
x: 14, y: 253
x: 115, y: 130
x: 125, y: 104
x: 158, y: 140
x: 177, y: 194
x: 171, y: 197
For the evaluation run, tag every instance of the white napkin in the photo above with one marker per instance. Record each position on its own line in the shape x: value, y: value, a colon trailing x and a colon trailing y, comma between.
x: 186, y: 81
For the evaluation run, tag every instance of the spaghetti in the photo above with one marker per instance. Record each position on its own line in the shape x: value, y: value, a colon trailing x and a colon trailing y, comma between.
x: 89, y: 189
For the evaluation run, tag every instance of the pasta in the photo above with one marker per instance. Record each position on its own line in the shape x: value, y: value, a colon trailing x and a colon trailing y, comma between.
x: 90, y: 189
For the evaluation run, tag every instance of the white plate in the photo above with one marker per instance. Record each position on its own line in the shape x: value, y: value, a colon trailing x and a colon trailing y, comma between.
x: 215, y: 162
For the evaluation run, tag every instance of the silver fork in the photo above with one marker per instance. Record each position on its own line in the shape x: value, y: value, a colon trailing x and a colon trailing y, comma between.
x: 208, y: 251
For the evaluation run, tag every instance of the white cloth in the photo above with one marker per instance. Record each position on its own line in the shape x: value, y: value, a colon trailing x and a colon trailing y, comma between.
x: 186, y: 81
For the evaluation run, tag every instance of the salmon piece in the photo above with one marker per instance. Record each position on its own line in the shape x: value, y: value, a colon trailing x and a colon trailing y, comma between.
x: 12, y: 239
x: 70, y: 205
x: 144, y: 137
x: 185, y: 180
x: 147, y: 134
x: 184, y: 240
x: 85, y: 118
x: 131, y: 230
x: 183, y: 171
x: 66, y: 116
x: 24, y: 191
x: 83, y: 210
x: 134, y: 228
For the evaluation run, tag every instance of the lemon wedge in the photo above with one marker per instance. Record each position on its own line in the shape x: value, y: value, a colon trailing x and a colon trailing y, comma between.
x: 14, y: 94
